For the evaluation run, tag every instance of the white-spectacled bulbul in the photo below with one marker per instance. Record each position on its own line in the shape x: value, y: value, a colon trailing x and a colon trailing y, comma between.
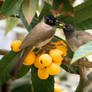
x: 75, y: 38
x: 40, y: 35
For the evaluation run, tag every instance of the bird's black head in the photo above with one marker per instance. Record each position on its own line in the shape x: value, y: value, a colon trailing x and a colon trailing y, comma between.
x: 68, y: 29
x: 50, y: 20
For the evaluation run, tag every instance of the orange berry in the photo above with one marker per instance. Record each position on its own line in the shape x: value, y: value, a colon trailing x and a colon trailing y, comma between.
x: 15, y: 45
x: 30, y: 58
x: 37, y: 63
x: 61, y: 46
x: 63, y: 49
x: 54, y: 69
x: 61, y: 43
x: 43, y: 73
x: 45, y: 60
x: 57, y: 56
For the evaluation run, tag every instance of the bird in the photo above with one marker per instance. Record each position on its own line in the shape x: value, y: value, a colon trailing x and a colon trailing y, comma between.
x: 39, y: 36
x: 74, y: 38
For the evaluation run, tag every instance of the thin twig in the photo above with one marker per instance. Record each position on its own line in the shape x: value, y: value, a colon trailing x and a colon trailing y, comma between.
x: 3, y: 52
x: 78, y: 63
x: 3, y: 17
x: 20, y: 25
x: 1, y: 3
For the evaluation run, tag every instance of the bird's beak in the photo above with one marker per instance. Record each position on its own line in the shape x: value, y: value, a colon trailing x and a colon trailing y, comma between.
x: 60, y: 23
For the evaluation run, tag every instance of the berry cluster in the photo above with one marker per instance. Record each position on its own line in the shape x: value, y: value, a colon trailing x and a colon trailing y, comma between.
x: 46, y: 63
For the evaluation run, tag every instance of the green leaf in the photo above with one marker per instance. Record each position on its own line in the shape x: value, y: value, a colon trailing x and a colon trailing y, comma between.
x: 82, y: 18
x: 11, y: 22
x: 29, y: 8
x: 23, y: 19
x: 83, y: 51
x: 34, y: 22
x: 40, y: 85
x: 24, y: 69
x: 45, y: 10
x: 24, y: 88
x: 22, y: 85
x: 67, y: 6
x: 9, y: 7
x: 86, y: 24
x: 71, y: 68
x: 6, y: 64
x: 63, y: 7
x: 56, y: 4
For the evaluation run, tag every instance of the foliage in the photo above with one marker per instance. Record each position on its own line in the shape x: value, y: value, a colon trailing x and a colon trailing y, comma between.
x: 6, y: 64
x: 41, y: 85
x: 10, y: 24
x: 83, y: 51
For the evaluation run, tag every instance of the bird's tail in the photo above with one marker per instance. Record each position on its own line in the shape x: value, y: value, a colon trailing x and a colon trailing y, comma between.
x: 19, y: 63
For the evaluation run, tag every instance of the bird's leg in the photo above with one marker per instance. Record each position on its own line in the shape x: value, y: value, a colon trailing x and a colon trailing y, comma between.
x: 37, y: 51
x: 46, y: 48
x: 40, y: 50
x: 49, y: 46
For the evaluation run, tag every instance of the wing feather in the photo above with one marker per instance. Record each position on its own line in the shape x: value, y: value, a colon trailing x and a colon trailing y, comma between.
x: 40, y: 32
x: 83, y: 37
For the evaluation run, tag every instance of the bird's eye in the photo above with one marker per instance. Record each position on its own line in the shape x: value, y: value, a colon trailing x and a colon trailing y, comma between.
x: 50, y: 21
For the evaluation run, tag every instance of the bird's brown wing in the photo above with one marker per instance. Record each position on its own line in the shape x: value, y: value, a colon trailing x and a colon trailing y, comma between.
x: 83, y: 37
x: 38, y: 34
x: 78, y: 38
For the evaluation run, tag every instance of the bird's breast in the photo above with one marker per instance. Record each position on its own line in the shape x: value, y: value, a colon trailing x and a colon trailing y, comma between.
x: 43, y: 43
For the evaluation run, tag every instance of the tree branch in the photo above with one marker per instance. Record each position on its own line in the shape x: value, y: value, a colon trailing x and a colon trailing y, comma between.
x: 3, y: 17
x: 1, y: 3
x: 78, y: 63
x: 3, y: 52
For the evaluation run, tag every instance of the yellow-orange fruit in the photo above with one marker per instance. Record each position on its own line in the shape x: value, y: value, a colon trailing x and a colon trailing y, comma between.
x: 63, y: 49
x: 43, y: 73
x: 45, y: 60
x: 37, y: 63
x: 57, y: 56
x: 54, y: 69
x: 61, y: 46
x: 30, y: 58
x: 60, y: 43
x: 15, y: 45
